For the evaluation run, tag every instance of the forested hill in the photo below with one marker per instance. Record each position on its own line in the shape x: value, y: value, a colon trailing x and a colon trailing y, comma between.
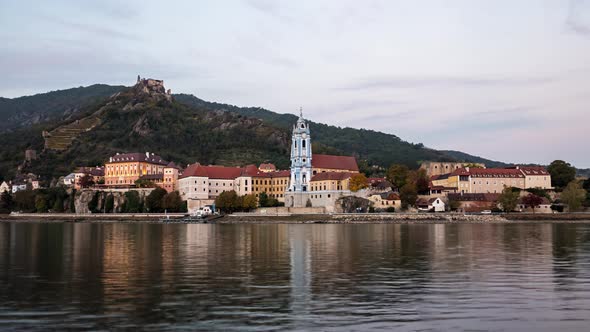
x: 51, y: 106
x: 375, y: 147
x: 184, y: 129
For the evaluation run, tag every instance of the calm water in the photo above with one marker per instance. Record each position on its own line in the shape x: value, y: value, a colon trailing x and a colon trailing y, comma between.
x: 294, y: 277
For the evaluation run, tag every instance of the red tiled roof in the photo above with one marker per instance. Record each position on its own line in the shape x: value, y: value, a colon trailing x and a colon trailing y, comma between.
x: 460, y: 171
x: 534, y: 170
x: 495, y: 173
x: 392, y: 197
x: 212, y: 172
x: 334, y: 162
x: 143, y: 157
x: 270, y: 175
x: 267, y: 166
x: 331, y: 176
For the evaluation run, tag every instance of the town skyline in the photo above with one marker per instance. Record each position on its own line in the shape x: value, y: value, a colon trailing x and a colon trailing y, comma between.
x: 376, y: 72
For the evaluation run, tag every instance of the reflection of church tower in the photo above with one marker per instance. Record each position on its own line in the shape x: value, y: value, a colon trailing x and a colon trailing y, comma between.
x: 300, y: 156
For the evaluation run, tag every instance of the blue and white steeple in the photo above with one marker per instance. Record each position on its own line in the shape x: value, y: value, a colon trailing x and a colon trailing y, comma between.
x: 300, y: 156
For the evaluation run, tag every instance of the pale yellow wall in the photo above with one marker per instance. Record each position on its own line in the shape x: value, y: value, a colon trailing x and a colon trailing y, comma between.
x: 127, y: 173
x: 538, y: 181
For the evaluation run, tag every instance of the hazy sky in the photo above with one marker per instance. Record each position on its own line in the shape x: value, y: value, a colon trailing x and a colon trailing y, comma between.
x: 507, y: 80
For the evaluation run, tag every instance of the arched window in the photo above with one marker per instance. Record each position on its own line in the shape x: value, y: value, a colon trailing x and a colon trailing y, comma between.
x: 303, y: 143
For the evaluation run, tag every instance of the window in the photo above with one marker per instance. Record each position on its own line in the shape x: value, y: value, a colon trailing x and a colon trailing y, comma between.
x: 303, y: 145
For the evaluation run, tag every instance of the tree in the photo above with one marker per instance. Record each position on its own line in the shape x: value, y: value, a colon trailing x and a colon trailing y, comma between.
x: 86, y: 181
x: 398, y: 175
x: 573, y: 195
x: 358, y: 181
x: 172, y: 202
x: 420, y: 178
x: 93, y: 204
x: 308, y: 203
x: 227, y: 201
x: 24, y: 200
x: 408, y: 194
x: 263, y: 199
x: 58, y: 205
x: 532, y: 200
x: 143, y: 183
x: 109, y: 204
x: 508, y: 199
x: 249, y: 202
x: 562, y: 173
x: 454, y: 205
x: 6, y: 202
x: 132, y: 202
x: 41, y: 203
x: 153, y: 201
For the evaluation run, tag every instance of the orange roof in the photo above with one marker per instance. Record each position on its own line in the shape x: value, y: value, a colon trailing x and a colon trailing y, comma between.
x: 334, y: 162
x: 331, y: 176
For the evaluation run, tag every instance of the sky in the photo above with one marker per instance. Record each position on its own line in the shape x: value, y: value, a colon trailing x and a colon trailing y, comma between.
x: 505, y: 80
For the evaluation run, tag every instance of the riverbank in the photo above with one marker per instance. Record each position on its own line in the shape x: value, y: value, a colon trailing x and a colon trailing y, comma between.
x: 343, y: 218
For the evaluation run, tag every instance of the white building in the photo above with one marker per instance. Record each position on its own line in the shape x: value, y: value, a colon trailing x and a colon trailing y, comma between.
x: 4, y: 187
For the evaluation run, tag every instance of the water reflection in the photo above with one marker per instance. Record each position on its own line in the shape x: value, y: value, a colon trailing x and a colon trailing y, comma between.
x: 296, y: 277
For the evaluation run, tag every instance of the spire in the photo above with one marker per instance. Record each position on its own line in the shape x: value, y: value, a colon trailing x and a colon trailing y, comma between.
x: 300, y: 112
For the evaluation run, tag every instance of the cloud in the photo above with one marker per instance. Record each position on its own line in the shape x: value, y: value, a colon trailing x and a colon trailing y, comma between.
x: 92, y: 29
x: 575, y: 21
x: 424, y: 82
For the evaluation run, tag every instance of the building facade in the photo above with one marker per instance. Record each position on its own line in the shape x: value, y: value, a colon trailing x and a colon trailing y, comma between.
x: 316, y: 180
x: 300, y: 157
x: 124, y: 169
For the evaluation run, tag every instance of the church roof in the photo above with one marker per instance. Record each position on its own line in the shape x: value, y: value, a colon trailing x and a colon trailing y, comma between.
x: 331, y: 176
x: 334, y: 162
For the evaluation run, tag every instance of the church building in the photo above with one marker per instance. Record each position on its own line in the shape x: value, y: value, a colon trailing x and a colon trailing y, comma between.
x: 316, y: 180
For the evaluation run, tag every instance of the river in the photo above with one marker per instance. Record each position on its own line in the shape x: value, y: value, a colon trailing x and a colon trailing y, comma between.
x: 105, y: 276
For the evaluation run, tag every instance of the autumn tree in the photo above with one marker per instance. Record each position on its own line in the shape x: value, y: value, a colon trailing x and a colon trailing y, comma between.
x: 562, y: 173
x: 532, y: 201
x: 398, y: 175
x: 358, y: 181
x: 408, y: 194
x: 420, y: 178
x: 227, y: 201
x: 249, y: 202
x: 86, y: 181
x: 573, y: 195
x: 508, y: 199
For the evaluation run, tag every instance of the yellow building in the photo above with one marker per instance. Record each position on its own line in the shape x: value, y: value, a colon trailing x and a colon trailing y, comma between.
x: 125, y: 169
x: 331, y: 181
x: 274, y: 183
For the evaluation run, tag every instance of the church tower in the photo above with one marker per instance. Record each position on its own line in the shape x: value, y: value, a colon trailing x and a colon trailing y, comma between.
x: 300, y: 156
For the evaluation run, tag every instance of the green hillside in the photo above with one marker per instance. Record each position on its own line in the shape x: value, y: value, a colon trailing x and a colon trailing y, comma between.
x: 51, y: 106
x: 375, y: 147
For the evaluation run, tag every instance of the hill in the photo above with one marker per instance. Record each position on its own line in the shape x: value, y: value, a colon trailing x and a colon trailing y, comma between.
x: 462, y: 156
x: 51, y: 106
x: 135, y: 121
x: 376, y: 148
x: 84, y: 126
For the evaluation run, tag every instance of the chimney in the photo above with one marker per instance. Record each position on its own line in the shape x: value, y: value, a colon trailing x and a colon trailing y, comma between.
x: 147, y: 154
